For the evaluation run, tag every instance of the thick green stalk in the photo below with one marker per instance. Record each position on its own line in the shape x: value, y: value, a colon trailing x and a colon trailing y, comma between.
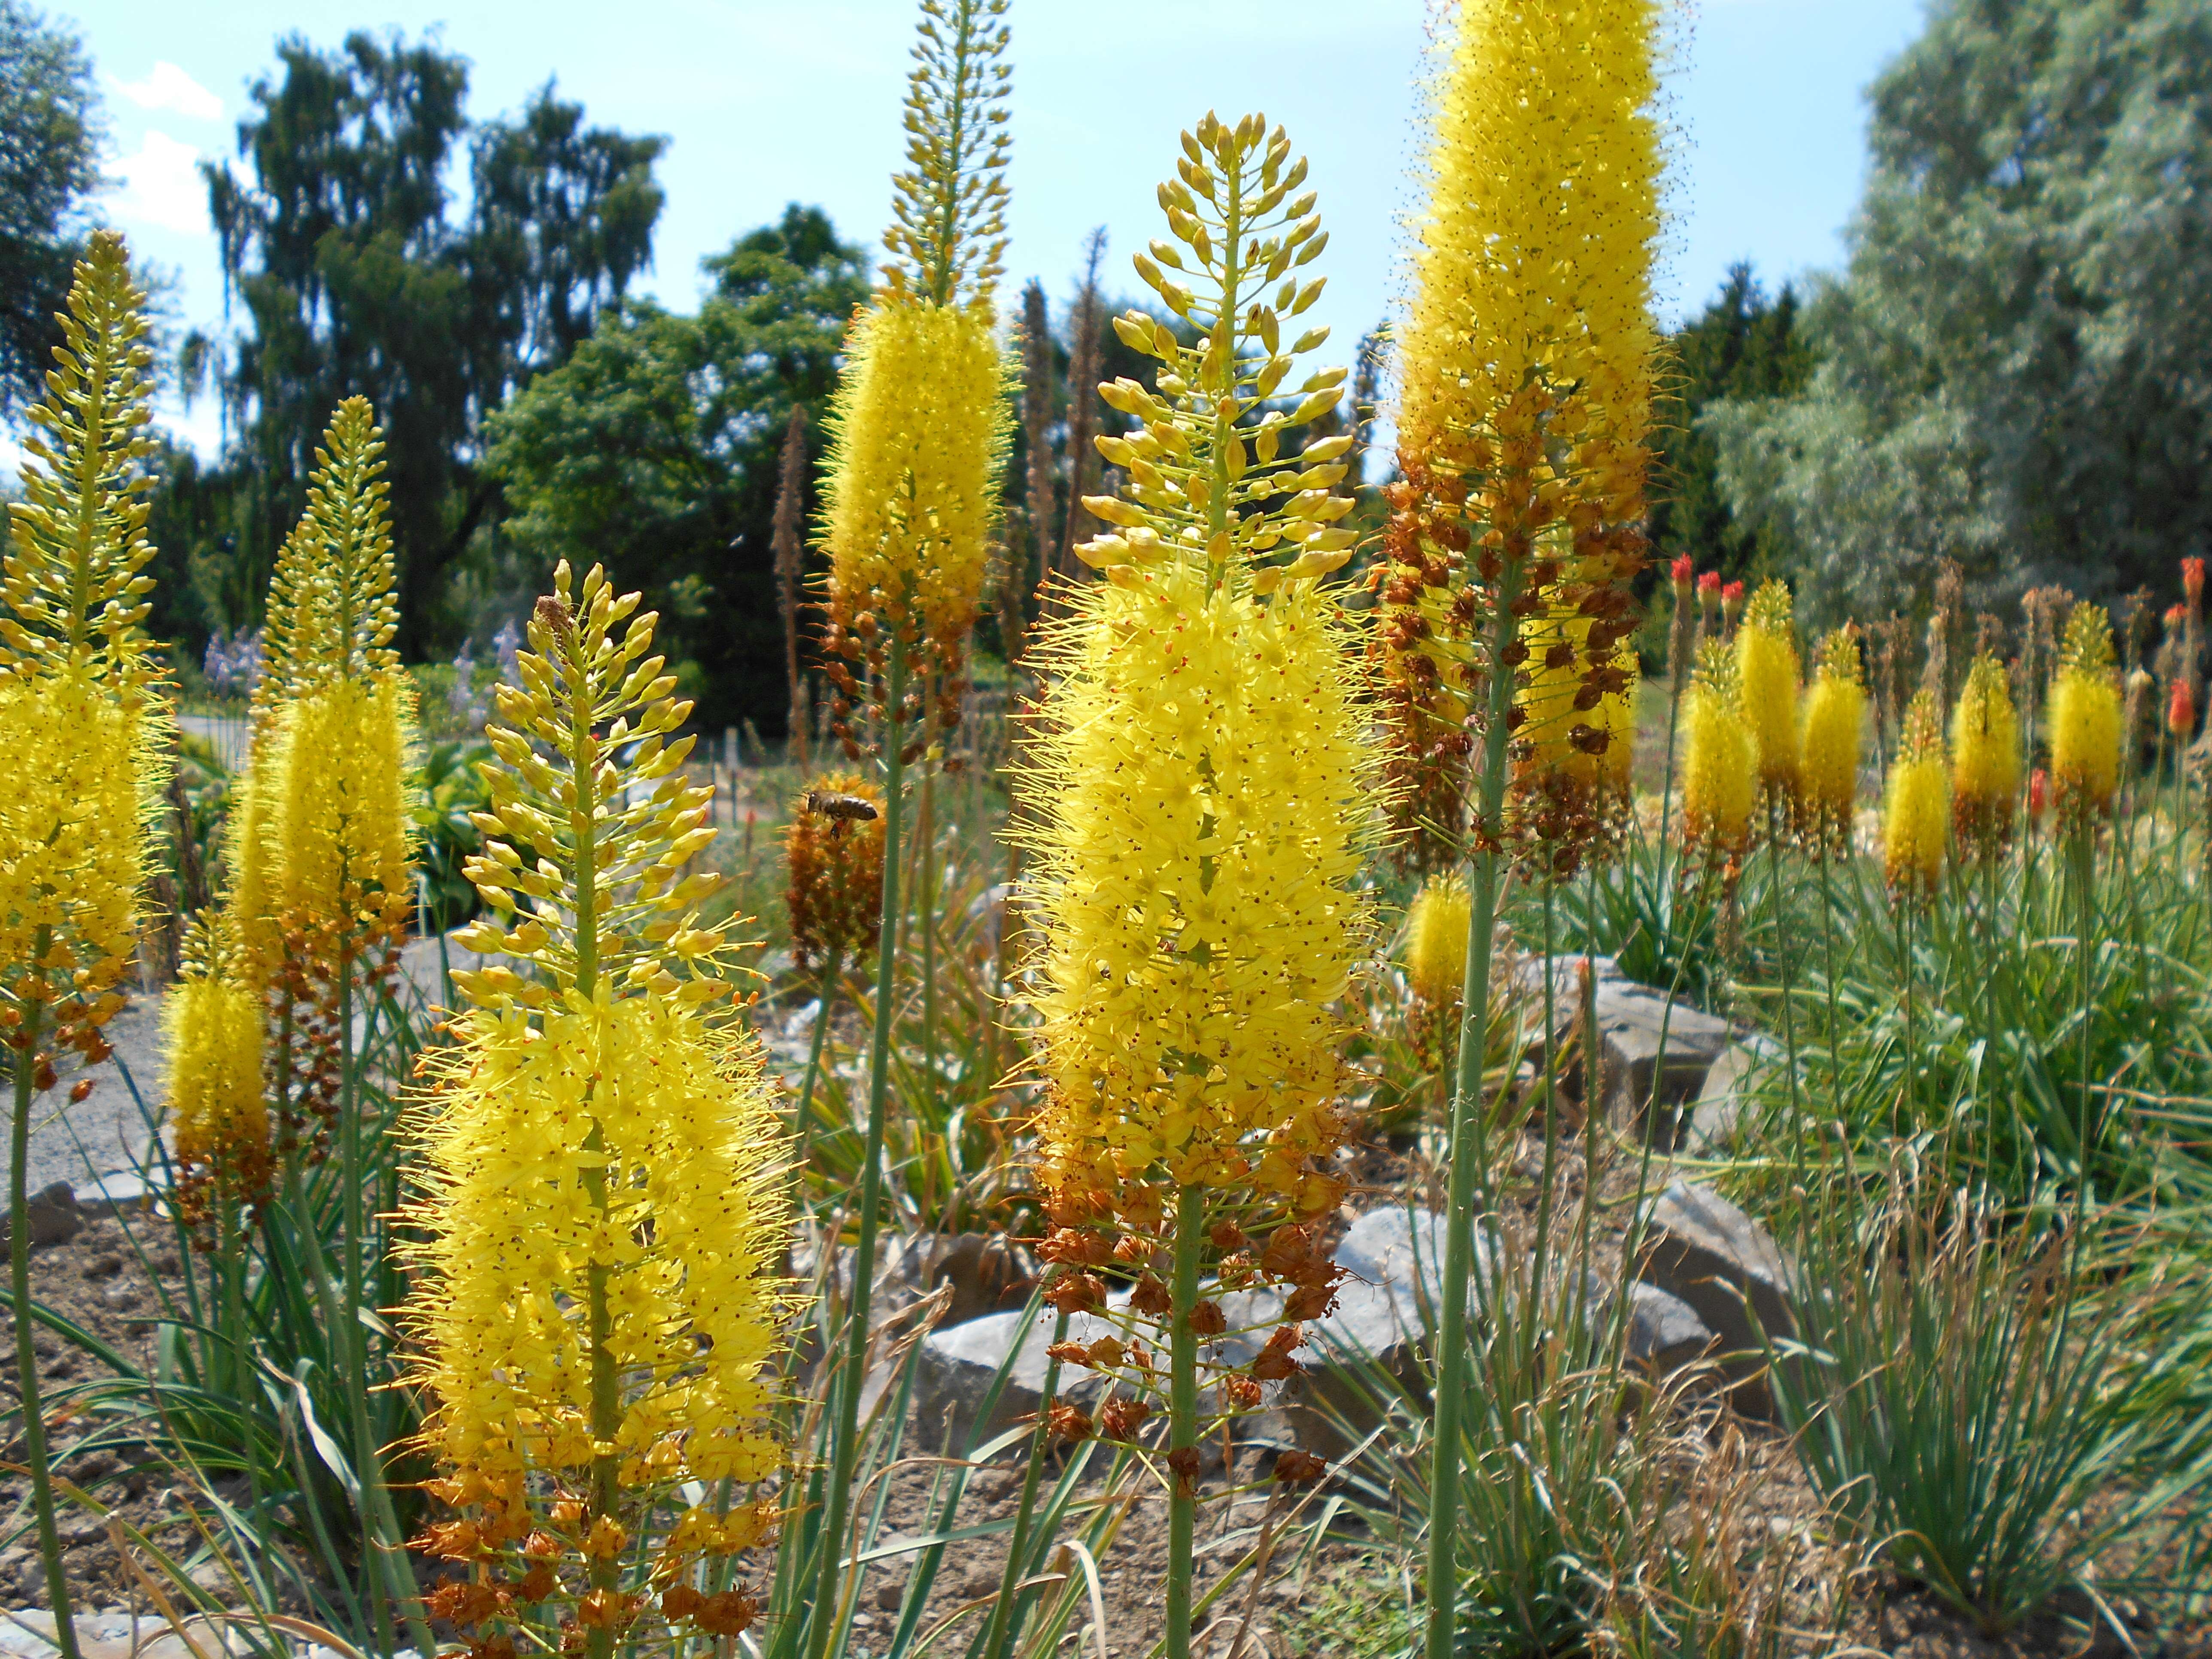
x: 925, y: 915
x: 26, y: 1356
x: 845, y: 1443
x: 996, y: 1639
x: 391, y: 1578
x: 803, y: 1129
x: 1182, y: 1416
x: 1467, y: 1151
x: 1782, y: 953
x: 606, y: 1378
x: 347, y: 1337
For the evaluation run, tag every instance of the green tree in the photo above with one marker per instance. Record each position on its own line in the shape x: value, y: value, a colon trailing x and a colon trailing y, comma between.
x: 1741, y: 346
x: 654, y: 449
x: 354, y: 276
x: 50, y: 136
x: 2016, y: 365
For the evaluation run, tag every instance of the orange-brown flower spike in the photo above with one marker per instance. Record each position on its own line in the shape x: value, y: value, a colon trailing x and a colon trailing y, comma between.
x: 834, y: 870
x: 1527, y: 362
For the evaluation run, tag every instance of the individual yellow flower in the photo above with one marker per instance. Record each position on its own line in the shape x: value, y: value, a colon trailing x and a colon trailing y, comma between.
x: 1915, y: 805
x: 1985, y: 758
x: 603, y: 1196
x: 2085, y: 718
x: 1830, y: 735
x: 921, y: 420
x: 1720, y: 763
x: 1767, y: 673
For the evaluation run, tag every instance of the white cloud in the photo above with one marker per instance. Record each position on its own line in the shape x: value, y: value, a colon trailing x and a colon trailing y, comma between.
x: 161, y: 185
x: 169, y: 88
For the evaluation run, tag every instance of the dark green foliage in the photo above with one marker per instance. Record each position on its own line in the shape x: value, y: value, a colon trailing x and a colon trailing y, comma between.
x: 2014, y: 364
x: 355, y: 278
x: 1741, y: 346
x: 654, y: 451
x: 49, y: 162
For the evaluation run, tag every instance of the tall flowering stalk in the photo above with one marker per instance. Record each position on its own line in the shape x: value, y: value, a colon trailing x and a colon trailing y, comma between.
x: 604, y: 1199
x: 86, y: 732
x: 919, y: 432
x: 320, y: 857
x: 1202, y: 797
x: 1527, y: 362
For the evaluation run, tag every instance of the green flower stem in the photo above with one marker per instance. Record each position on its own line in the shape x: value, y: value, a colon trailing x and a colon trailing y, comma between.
x: 26, y: 1356
x: 391, y: 1578
x: 845, y: 1443
x: 924, y: 913
x: 1466, y: 1152
x: 996, y: 1637
x: 803, y: 1129
x: 1182, y: 1417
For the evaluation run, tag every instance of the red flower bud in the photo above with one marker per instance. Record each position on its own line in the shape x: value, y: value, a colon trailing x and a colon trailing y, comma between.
x: 2181, y: 709
x: 2038, y: 793
x: 1684, y: 573
x: 2192, y: 579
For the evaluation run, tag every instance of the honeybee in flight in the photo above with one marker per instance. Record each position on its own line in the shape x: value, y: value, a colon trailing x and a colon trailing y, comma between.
x: 844, y: 807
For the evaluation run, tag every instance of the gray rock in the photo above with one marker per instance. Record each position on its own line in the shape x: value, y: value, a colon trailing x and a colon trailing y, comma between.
x: 955, y: 1367
x: 1654, y: 1050
x: 52, y: 1215
x: 955, y: 1370
x: 1653, y: 1056
x: 1664, y: 1332
x: 1700, y: 1248
x: 1713, y: 1121
x: 116, y: 1193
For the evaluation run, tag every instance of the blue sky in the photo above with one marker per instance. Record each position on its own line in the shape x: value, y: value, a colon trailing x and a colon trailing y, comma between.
x: 767, y: 101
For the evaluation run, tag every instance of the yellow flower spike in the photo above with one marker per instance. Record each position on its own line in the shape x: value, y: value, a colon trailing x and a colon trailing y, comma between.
x: 2085, y: 718
x: 921, y: 420
x: 1767, y: 675
x: 1203, y: 793
x: 1915, y: 805
x: 602, y: 1153
x: 212, y: 1026
x: 1436, y: 939
x: 1527, y: 364
x: 86, y: 734
x: 1436, y: 962
x: 1985, y: 758
x: 1830, y: 737
x: 1719, y: 762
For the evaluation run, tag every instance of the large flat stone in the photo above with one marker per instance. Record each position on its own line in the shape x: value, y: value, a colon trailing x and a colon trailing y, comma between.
x: 1654, y: 1054
x: 1700, y: 1248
